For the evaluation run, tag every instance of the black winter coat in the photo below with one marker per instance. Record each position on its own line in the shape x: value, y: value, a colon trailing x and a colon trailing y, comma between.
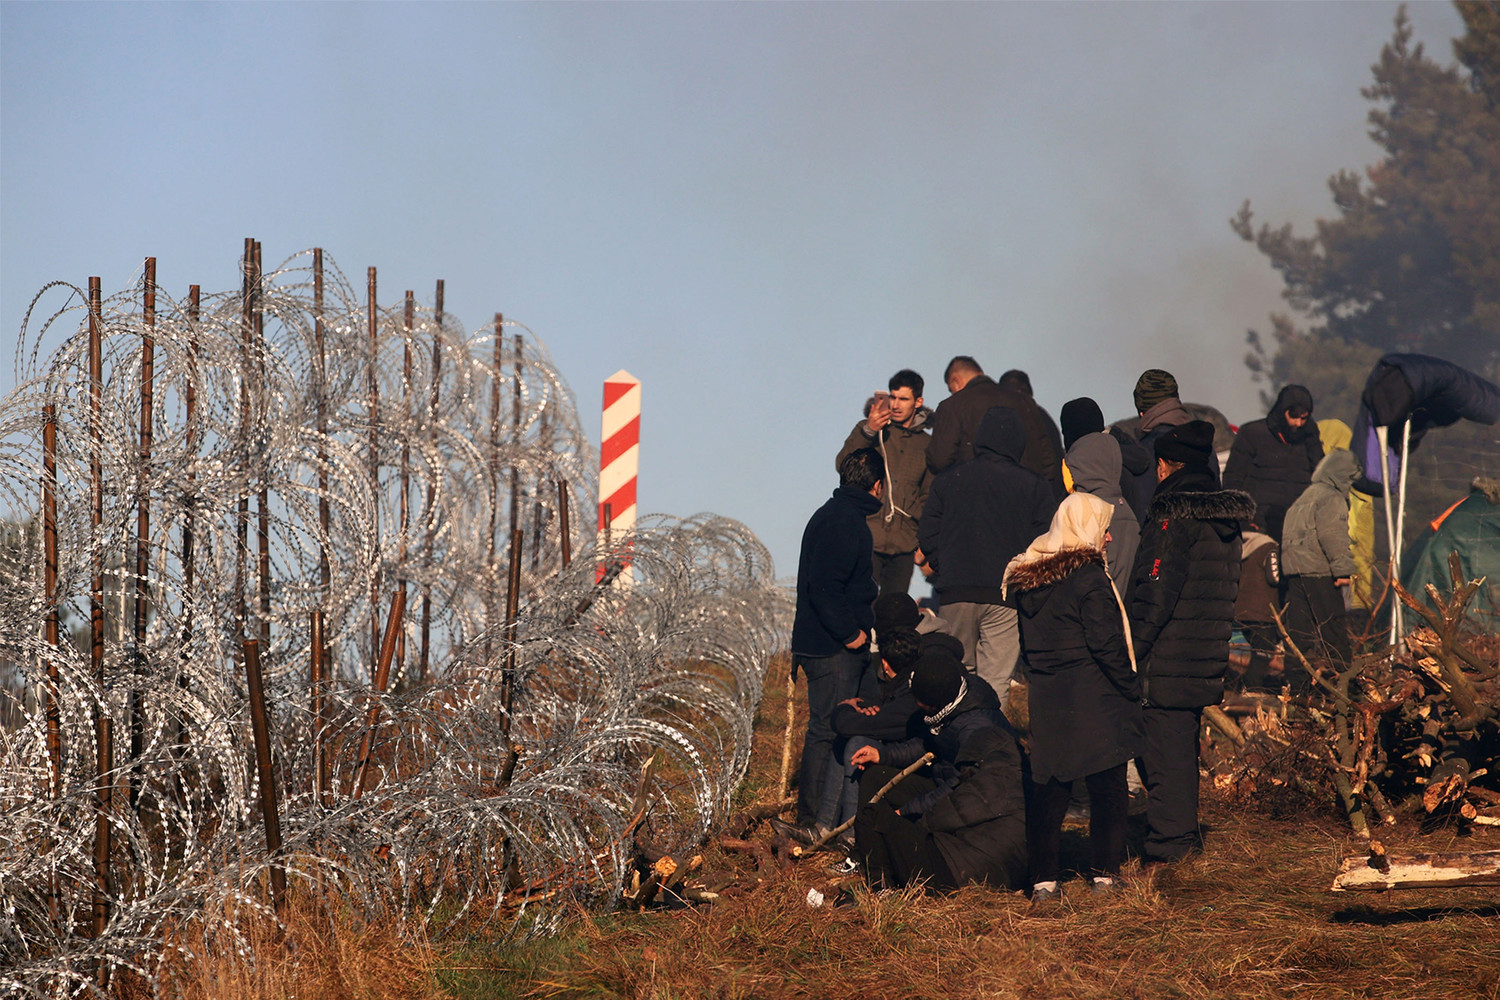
x: 982, y: 513
x: 836, y: 586
x: 977, y: 812
x: 1274, y: 461
x: 892, y: 723
x: 1186, y: 579
x: 955, y: 426
x: 1084, y: 697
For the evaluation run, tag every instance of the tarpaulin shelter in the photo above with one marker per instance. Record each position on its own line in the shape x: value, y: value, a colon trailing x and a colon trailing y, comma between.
x: 1415, y: 393
x: 1471, y: 528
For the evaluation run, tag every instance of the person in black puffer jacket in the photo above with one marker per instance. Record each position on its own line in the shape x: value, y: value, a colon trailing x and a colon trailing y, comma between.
x: 967, y: 822
x: 1273, y: 459
x: 1084, y: 695
x: 1186, y: 579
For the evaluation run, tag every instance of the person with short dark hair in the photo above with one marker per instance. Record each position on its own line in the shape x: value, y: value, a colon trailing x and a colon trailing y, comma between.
x: 1183, y: 590
x: 1273, y: 458
x: 896, y: 426
x: 1018, y: 381
x: 831, y: 629
x: 956, y: 421
x: 965, y: 820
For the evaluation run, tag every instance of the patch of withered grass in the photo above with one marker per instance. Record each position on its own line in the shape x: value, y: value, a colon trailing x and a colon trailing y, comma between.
x: 318, y: 949
x: 1250, y: 918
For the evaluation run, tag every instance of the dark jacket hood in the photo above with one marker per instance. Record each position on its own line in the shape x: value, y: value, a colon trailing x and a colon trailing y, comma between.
x: 1222, y: 509
x: 1292, y: 397
x: 1000, y: 435
x: 1339, y: 469
x: 1095, y: 462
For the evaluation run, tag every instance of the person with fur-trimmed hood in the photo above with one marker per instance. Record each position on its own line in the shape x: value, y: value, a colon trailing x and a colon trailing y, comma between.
x: 964, y: 823
x: 897, y: 428
x: 1273, y: 459
x: 1186, y: 579
x: 1084, y: 696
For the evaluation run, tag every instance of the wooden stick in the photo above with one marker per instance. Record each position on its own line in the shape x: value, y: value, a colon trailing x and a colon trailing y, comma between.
x: 791, y: 715
x: 921, y: 762
x: 1418, y: 871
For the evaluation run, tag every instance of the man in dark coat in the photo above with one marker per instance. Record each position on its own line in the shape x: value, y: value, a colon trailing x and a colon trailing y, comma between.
x: 897, y: 428
x: 1273, y: 459
x: 979, y: 515
x: 1157, y: 401
x: 967, y: 822
x: 831, y: 630
x: 957, y: 418
x: 1018, y: 381
x: 1187, y: 573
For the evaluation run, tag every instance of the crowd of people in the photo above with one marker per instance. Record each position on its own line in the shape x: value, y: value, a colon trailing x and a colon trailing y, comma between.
x: 1103, y: 568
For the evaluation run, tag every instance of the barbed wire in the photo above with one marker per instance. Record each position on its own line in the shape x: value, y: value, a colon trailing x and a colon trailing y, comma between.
x: 280, y: 494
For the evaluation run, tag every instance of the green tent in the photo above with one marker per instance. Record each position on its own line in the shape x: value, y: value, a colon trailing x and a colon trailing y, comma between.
x: 1471, y: 527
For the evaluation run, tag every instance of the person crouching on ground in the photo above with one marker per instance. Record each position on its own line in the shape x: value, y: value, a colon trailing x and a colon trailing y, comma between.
x: 967, y: 822
x: 1084, y: 693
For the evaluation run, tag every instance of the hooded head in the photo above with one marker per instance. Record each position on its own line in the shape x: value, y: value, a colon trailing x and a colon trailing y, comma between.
x: 1291, y: 414
x: 1339, y: 469
x: 1080, y: 522
x: 937, y: 679
x: 1001, y: 433
x: 1079, y: 417
x: 942, y: 641
x: 1094, y: 462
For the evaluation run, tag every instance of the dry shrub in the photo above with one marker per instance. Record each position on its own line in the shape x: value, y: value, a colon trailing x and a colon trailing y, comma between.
x: 321, y: 949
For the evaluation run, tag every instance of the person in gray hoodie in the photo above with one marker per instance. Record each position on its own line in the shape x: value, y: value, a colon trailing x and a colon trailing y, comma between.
x: 1094, y: 462
x: 1316, y: 563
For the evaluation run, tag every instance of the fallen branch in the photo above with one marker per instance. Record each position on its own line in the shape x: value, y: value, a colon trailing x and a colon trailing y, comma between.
x: 1418, y: 871
x: 923, y: 761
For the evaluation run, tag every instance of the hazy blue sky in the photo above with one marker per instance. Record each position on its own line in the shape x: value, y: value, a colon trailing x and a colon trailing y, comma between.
x: 760, y: 210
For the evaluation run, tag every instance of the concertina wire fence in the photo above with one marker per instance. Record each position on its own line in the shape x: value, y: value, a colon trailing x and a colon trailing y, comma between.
x: 288, y: 421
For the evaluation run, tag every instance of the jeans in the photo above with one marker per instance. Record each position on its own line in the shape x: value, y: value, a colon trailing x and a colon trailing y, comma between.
x: 830, y: 680
x: 893, y: 571
x: 845, y: 777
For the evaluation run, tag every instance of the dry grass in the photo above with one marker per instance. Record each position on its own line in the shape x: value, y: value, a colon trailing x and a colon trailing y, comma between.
x: 1251, y: 918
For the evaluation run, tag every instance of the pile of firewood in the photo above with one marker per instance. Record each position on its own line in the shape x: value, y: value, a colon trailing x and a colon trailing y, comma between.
x: 1412, y: 730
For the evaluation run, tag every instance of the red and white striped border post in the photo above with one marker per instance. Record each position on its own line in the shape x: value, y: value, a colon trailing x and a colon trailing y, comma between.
x: 619, y: 459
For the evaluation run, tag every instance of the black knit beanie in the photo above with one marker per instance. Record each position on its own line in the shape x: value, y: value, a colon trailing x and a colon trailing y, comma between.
x: 1079, y: 417
x: 1152, y: 387
x: 1191, y: 443
x: 942, y: 642
x: 936, y: 678
x: 895, y: 611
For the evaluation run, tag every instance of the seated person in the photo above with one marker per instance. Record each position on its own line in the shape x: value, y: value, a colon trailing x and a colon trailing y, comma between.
x: 966, y: 821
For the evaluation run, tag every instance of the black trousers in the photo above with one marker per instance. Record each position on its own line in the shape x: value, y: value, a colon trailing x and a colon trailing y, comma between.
x: 893, y: 571
x: 1109, y: 808
x: 1263, y: 637
x: 895, y: 850
x: 1170, y: 771
x: 1315, y: 621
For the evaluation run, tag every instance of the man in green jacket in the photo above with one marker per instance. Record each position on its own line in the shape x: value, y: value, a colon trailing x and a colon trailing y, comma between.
x: 896, y: 426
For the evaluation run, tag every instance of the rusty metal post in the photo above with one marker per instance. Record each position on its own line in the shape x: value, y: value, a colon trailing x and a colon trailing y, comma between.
x: 405, y: 505
x: 565, y: 530
x: 373, y: 387
x: 321, y: 655
x: 265, y: 774
x: 382, y: 678
x: 515, y: 436
x: 49, y: 585
x: 104, y: 750
x: 432, y: 415
x: 143, y: 524
x: 189, y: 525
x: 512, y: 613
x: 494, y: 464
x: 242, y: 507
x: 262, y: 498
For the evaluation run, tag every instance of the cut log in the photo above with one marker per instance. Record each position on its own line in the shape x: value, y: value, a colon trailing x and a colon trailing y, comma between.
x: 1417, y: 871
